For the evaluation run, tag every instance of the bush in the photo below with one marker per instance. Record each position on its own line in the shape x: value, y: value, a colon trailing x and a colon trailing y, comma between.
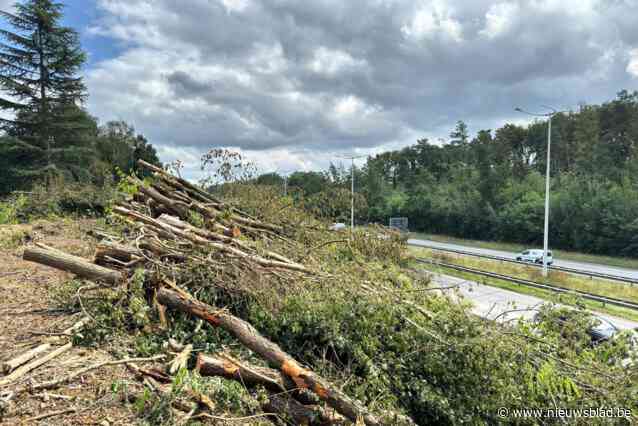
x: 57, y: 198
x: 10, y: 209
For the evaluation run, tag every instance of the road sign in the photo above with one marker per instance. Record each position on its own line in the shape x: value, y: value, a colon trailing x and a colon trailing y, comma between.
x: 400, y: 223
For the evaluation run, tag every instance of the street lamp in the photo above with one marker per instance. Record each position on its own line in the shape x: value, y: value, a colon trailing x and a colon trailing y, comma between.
x: 549, y: 116
x: 284, y: 176
x: 352, y: 158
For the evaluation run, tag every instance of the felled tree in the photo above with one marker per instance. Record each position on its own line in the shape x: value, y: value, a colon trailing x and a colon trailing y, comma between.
x: 49, y: 132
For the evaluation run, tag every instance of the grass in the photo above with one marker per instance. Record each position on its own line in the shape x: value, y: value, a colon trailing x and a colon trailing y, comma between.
x: 596, y: 286
x: 622, y: 262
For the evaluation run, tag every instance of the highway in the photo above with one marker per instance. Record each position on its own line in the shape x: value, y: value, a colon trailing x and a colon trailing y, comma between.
x: 494, y: 303
x: 583, y: 266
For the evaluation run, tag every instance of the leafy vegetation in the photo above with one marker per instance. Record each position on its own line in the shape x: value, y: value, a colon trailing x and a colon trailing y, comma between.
x: 491, y: 187
x: 369, y: 323
x: 49, y: 136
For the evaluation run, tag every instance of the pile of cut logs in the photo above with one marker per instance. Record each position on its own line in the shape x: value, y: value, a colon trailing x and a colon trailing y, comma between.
x: 163, y: 236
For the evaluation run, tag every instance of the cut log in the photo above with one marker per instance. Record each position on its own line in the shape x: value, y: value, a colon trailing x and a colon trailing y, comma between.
x: 270, y: 379
x: 176, y: 222
x: 195, y: 192
x: 251, y: 376
x: 117, y: 251
x: 178, y: 207
x: 65, y: 262
x: 253, y: 340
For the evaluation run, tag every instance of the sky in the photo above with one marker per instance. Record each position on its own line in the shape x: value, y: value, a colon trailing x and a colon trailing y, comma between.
x: 295, y: 85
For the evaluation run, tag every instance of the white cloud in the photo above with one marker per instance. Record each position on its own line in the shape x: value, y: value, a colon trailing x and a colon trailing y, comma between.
x: 331, y: 61
x: 632, y: 66
x: 499, y: 19
x: 431, y: 20
x: 292, y: 84
x: 235, y: 5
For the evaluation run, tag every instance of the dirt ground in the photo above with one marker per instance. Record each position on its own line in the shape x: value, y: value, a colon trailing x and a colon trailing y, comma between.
x: 28, y: 312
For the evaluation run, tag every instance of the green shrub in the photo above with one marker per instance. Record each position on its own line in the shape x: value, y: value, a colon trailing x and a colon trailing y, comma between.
x: 10, y: 209
x: 56, y: 199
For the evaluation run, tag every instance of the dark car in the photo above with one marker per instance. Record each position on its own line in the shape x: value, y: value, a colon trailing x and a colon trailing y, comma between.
x: 600, y: 329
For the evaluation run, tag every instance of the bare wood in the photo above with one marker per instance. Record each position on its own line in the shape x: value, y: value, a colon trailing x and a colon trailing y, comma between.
x: 250, y: 375
x: 270, y: 379
x: 178, y: 207
x: 270, y: 351
x: 117, y: 251
x: 180, y: 360
x: 172, y: 232
x: 172, y: 180
x: 185, y: 226
x: 21, y: 371
x: 68, y: 378
x: 161, y: 313
x: 69, y: 263
x: 191, y: 190
x: 12, y: 364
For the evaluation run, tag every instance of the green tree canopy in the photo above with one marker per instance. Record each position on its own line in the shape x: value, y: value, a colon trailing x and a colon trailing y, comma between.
x: 49, y: 132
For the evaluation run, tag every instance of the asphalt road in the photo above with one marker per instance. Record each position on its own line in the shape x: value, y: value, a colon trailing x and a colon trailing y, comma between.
x: 587, y: 267
x: 503, y: 305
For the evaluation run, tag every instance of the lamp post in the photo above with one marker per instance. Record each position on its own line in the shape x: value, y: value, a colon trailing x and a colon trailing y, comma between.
x: 352, y: 158
x: 284, y: 176
x: 549, y: 116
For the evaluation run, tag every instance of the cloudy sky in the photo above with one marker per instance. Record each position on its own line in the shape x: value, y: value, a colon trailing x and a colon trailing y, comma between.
x: 296, y: 84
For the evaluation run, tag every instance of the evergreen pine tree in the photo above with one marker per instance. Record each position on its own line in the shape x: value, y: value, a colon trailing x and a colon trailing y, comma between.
x: 49, y: 132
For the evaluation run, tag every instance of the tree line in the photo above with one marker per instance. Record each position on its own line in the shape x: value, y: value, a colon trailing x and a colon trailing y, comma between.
x: 492, y: 186
x: 47, y: 134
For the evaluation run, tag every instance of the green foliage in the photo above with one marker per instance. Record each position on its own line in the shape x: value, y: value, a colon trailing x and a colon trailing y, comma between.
x: 49, y: 134
x: 10, y: 209
x: 58, y: 198
x: 112, y: 311
x: 450, y: 369
x: 118, y: 148
x: 370, y: 325
x: 492, y: 187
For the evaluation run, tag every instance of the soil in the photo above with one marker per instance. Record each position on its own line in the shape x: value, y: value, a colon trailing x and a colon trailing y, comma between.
x: 28, y: 310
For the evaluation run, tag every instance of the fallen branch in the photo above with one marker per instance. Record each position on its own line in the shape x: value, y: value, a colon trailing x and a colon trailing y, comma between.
x: 251, y: 376
x: 12, y: 364
x: 270, y: 351
x: 52, y: 414
x: 68, y: 378
x: 21, y: 371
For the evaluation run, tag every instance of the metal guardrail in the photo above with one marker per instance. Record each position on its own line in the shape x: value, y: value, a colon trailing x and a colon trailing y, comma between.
x: 557, y: 289
x: 554, y: 268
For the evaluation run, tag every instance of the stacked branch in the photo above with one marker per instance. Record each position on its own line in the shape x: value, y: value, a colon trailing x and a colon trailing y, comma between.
x: 168, y: 238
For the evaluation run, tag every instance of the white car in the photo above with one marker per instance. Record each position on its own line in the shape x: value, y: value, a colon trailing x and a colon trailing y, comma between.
x: 535, y: 256
x: 338, y: 227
